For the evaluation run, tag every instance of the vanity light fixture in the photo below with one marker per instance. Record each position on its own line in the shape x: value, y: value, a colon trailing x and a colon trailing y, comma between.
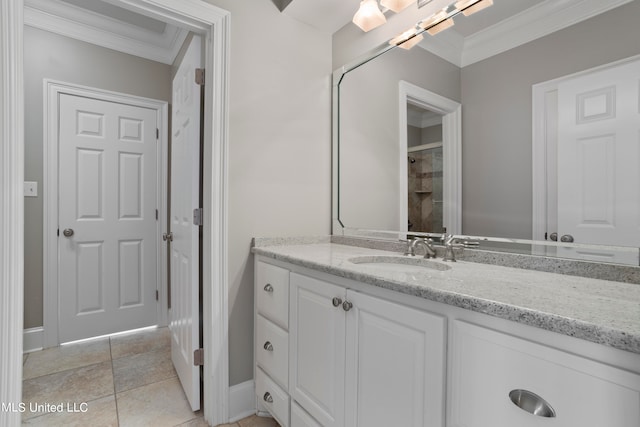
x: 438, y: 22
x: 469, y: 7
x: 369, y: 15
x: 396, y: 5
x: 407, y: 40
x: 441, y: 26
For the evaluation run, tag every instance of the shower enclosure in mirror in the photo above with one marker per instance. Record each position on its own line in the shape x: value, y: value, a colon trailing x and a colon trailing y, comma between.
x: 543, y: 118
x: 424, y: 178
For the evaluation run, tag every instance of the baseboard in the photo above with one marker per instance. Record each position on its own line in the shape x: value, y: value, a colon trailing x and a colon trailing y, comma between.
x: 242, y: 401
x: 32, y: 339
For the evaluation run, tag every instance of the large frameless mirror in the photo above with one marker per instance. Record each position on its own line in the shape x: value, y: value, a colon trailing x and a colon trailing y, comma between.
x: 518, y: 124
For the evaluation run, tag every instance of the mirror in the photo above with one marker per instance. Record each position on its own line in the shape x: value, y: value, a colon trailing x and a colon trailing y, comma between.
x: 513, y: 176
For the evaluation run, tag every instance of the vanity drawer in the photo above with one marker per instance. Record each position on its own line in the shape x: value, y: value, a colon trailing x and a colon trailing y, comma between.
x: 272, y: 397
x: 272, y: 293
x: 272, y: 350
x: 489, y: 367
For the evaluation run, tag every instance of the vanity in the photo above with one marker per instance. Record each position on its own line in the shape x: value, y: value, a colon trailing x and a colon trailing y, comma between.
x: 354, y: 336
x: 515, y: 140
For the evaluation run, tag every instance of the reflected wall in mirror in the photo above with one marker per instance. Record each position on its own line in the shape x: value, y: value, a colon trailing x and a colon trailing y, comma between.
x: 503, y: 160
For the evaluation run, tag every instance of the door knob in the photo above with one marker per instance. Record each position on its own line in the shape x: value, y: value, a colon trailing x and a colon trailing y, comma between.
x: 267, y: 397
x: 567, y: 238
x: 68, y: 232
x: 268, y: 346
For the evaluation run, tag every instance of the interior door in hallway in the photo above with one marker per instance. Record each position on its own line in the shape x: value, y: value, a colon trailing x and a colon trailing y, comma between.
x: 185, y: 247
x: 107, y: 217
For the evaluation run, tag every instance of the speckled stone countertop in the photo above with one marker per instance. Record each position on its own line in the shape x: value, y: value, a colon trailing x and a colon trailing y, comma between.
x: 601, y: 311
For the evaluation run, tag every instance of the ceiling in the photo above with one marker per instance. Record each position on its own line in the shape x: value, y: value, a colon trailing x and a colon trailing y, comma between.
x: 503, y: 26
x: 507, y: 24
x: 107, y: 25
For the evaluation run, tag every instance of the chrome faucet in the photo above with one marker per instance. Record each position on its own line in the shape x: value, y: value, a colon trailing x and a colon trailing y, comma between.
x: 449, y: 243
x: 429, y: 251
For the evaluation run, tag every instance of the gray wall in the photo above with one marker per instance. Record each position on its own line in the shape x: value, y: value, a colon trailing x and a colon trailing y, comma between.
x: 51, y: 56
x: 497, y: 115
x: 279, y: 147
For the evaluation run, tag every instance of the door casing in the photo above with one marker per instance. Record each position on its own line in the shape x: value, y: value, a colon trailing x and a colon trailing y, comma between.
x: 213, y: 24
x: 52, y: 90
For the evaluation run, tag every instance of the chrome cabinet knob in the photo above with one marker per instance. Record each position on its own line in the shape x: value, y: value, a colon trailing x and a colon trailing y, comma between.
x: 567, y: 238
x: 554, y: 236
x: 346, y: 306
x: 336, y: 301
x: 268, y: 346
x: 267, y: 397
x: 68, y: 232
x: 268, y: 287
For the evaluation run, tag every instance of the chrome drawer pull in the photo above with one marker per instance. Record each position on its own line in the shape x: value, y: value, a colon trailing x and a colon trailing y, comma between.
x: 267, y: 397
x: 267, y: 346
x: 268, y: 287
x: 531, y: 403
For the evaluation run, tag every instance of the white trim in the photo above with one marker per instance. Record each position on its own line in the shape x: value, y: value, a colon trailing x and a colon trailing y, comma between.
x: 52, y: 91
x: 242, y: 401
x: 11, y: 207
x: 543, y: 150
x: 78, y: 23
x: 531, y: 24
x: 451, y: 152
x: 33, y: 340
x: 193, y: 15
x: 424, y: 147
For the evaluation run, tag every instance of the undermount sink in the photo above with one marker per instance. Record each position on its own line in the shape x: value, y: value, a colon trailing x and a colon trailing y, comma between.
x: 399, y: 263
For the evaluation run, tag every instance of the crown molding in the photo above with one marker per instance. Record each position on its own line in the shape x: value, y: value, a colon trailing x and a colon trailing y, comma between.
x: 531, y: 24
x: 77, y: 23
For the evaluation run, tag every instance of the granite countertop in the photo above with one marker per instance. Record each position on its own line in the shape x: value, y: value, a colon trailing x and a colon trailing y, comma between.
x: 601, y: 311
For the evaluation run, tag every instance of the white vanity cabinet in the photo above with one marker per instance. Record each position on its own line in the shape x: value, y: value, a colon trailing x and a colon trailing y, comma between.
x: 487, y: 366
x: 272, y: 340
x: 348, y: 354
x: 357, y: 360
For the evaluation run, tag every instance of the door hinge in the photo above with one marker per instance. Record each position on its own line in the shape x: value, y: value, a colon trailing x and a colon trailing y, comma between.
x: 58, y: 232
x: 157, y: 214
x: 197, y: 216
x: 198, y: 357
x: 157, y: 133
x: 200, y: 76
x: 157, y: 295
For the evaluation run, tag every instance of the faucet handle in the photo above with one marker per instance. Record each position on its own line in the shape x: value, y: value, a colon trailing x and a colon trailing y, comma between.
x: 470, y: 243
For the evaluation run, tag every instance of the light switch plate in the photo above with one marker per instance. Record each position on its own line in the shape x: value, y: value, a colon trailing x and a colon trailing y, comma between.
x: 30, y: 189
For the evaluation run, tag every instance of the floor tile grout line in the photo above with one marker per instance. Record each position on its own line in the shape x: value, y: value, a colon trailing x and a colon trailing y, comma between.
x: 113, y: 377
x: 65, y: 370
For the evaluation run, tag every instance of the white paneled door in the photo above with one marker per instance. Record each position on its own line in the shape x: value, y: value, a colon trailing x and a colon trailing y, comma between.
x: 185, y: 198
x: 599, y: 158
x: 107, y: 217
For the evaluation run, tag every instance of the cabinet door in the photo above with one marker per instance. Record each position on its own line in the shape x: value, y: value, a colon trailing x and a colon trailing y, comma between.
x: 395, y: 365
x: 486, y: 366
x: 317, y: 333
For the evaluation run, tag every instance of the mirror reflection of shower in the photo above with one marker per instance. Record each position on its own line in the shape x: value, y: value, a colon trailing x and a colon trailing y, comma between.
x: 424, y: 161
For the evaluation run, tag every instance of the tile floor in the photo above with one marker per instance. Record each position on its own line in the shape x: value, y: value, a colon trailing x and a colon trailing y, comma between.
x: 125, y: 380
